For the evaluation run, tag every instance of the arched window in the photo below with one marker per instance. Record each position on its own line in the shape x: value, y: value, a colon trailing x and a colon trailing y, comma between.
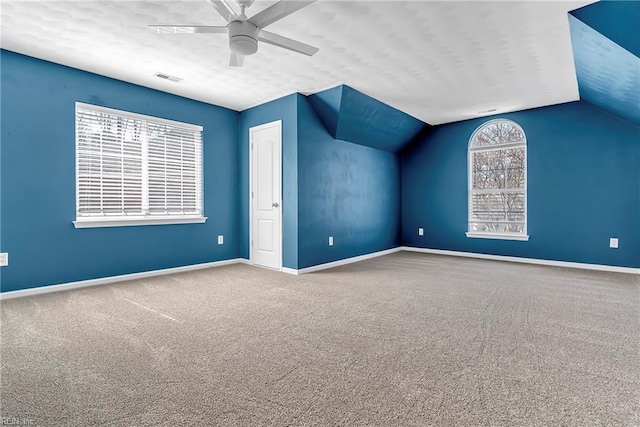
x: 498, y: 181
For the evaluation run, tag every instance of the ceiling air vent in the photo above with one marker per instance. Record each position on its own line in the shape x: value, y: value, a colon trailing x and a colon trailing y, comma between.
x: 168, y: 77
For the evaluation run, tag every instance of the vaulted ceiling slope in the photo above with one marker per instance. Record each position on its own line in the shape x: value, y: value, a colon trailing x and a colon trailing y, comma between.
x: 617, y: 20
x: 438, y: 61
x: 606, y: 49
x: 352, y: 116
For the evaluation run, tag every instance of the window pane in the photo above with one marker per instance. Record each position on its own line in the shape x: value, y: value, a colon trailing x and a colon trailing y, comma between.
x: 497, y: 132
x: 498, y: 206
x: 491, y: 227
x: 109, y: 164
x: 498, y: 168
x: 174, y: 163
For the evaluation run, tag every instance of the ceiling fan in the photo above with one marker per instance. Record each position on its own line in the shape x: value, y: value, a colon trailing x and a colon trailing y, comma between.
x: 244, y: 33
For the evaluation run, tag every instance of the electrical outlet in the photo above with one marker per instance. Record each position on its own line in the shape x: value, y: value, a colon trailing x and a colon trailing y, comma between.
x: 330, y: 240
x: 613, y: 242
x: 420, y: 231
x: 4, y: 259
x: 220, y: 239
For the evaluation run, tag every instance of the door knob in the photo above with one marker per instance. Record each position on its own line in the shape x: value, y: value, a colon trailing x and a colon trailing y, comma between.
x: 275, y: 204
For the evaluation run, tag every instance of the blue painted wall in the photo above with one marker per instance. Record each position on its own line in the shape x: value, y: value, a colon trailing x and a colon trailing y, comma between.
x: 583, y: 187
x: 345, y: 190
x: 584, y: 182
x: 617, y: 20
x: 1, y: 63
x: 284, y: 109
x: 38, y: 180
x: 352, y: 116
x: 367, y: 121
x: 327, y: 105
x: 608, y: 75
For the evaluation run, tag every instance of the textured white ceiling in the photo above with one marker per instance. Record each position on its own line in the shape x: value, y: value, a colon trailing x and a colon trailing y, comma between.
x: 440, y: 61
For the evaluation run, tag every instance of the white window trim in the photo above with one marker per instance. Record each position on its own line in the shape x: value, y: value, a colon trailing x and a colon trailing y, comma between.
x: 524, y: 236
x: 134, y: 221
x: 501, y: 236
x: 124, y: 221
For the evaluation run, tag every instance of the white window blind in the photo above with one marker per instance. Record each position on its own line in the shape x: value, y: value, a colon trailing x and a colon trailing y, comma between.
x: 497, y: 181
x: 134, y: 169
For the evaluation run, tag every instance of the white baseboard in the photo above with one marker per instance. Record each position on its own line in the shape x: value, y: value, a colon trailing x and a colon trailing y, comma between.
x: 114, y: 279
x: 584, y: 266
x: 145, y: 274
x: 340, y: 262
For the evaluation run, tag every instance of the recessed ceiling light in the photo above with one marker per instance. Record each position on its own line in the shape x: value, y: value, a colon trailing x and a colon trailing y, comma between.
x: 169, y: 77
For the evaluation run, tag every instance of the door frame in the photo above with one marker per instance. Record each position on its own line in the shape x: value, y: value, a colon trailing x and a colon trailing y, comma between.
x: 252, y: 129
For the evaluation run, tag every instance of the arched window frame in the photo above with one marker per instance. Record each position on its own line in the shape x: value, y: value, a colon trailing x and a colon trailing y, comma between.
x: 473, y: 224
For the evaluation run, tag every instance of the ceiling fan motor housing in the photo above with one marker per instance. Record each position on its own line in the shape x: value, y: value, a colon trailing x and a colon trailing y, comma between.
x: 243, y: 37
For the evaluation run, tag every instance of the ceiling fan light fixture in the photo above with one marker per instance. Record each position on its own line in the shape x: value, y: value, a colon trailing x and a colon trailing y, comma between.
x: 243, y: 45
x: 243, y: 37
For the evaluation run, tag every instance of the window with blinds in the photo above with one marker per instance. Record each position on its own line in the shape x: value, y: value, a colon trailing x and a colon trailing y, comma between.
x: 134, y: 169
x: 498, y: 181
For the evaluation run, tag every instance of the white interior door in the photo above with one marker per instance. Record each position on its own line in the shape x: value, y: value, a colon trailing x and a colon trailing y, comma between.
x: 266, y: 195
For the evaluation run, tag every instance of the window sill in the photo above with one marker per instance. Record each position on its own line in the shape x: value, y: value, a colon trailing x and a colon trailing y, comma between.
x: 129, y: 222
x: 500, y: 236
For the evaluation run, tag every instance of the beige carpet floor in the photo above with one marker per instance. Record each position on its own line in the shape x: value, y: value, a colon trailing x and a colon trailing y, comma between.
x: 402, y: 340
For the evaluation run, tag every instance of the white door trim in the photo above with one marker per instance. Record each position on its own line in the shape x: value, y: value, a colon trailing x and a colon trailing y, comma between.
x: 277, y: 123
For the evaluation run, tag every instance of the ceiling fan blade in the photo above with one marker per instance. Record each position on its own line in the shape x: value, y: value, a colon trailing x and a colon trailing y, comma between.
x: 236, y: 60
x: 187, y: 29
x: 225, y: 10
x: 277, y: 11
x: 286, y: 43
